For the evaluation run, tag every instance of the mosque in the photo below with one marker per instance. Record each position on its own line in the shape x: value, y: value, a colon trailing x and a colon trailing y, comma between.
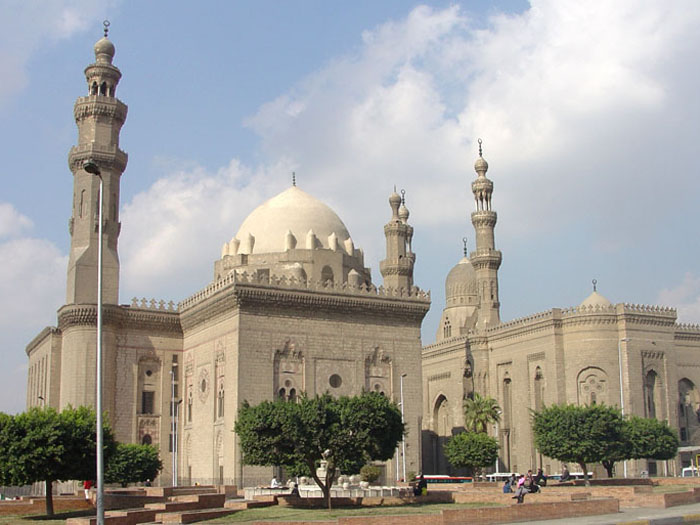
x: 291, y: 308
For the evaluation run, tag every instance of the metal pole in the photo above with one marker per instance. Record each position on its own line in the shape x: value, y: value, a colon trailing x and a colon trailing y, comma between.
x: 172, y: 425
x: 100, y: 457
x: 177, y: 415
x: 622, y: 394
x: 403, y: 438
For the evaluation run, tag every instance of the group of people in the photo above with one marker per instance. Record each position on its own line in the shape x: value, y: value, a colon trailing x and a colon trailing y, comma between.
x: 526, y: 484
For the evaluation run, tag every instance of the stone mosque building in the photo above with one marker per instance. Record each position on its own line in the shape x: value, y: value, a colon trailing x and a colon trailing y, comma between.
x: 585, y: 354
x: 291, y: 308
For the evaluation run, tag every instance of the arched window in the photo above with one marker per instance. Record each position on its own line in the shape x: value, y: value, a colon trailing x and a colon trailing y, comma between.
x: 103, y: 88
x: 82, y: 204
x: 220, y: 400
x: 650, y: 394
x: 292, y: 395
x: 688, y: 408
x: 507, y: 403
x: 327, y: 275
x: 539, y: 389
x: 282, y: 394
x: 592, y: 386
x: 93, y: 88
x: 189, y: 406
x: 447, y: 329
x: 146, y: 440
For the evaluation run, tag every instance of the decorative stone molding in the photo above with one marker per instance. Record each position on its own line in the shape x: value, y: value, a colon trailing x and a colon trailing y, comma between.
x: 122, y: 317
x: 440, y: 376
x: 103, y: 155
x: 239, y: 290
x: 539, y: 356
x: 100, y: 106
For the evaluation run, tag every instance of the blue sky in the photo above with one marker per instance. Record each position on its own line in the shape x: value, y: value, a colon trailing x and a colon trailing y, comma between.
x: 588, y: 112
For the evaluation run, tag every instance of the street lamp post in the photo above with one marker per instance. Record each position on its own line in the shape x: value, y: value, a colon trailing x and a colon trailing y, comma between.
x: 622, y: 393
x: 403, y: 437
x: 92, y: 168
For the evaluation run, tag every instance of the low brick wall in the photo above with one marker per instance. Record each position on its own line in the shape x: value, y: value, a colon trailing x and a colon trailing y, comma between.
x: 484, y: 515
x: 677, y: 481
x: 530, y: 512
x: 389, y: 501
x: 127, y: 501
x: 38, y: 505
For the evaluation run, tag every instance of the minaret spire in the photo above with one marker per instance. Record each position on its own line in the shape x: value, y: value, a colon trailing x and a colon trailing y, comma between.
x: 397, y: 268
x: 99, y: 117
x: 485, y: 259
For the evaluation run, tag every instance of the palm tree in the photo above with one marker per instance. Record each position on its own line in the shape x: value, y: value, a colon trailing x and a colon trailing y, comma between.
x: 479, y: 412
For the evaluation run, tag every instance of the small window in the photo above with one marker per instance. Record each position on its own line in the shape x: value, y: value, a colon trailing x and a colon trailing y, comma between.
x: 335, y: 381
x: 147, y: 402
x: 149, y: 373
x: 146, y: 440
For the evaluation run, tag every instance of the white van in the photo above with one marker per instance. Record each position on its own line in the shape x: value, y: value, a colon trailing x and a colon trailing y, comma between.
x: 689, y: 472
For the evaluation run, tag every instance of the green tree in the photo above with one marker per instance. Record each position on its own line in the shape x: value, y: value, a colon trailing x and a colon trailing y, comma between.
x: 579, y: 434
x: 45, y: 445
x: 644, y: 438
x: 132, y: 463
x: 347, y: 432
x: 472, y: 450
x: 480, y: 412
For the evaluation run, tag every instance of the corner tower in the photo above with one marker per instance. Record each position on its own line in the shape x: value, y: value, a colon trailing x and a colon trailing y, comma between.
x: 486, y: 260
x: 99, y: 117
x: 397, y: 268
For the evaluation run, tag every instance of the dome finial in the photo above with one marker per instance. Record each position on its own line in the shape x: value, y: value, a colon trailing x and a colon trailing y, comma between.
x: 595, y: 282
x: 294, y: 178
x: 464, y: 240
x: 403, y: 197
x: 480, y: 152
x: 106, y: 27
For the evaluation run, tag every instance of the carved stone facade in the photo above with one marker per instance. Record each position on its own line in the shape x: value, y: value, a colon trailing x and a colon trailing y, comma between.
x: 558, y: 356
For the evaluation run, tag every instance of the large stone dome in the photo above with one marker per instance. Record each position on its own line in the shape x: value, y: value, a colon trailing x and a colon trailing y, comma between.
x: 267, y: 228
x: 460, y: 283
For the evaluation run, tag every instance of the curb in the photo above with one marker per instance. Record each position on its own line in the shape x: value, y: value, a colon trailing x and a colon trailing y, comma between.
x: 674, y: 520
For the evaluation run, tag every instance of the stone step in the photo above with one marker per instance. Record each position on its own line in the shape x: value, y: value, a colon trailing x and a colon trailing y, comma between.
x: 194, y: 515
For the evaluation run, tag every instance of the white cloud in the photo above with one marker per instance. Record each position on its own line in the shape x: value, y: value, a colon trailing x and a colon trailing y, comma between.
x: 685, y: 298
x: 586, y: 110
x: 12, y: 223
x: 27, y: 26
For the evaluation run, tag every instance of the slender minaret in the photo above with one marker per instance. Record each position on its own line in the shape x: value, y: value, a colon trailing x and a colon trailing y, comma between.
x: 99, y: 117
x: 486, y: 259
x: 397, y: 268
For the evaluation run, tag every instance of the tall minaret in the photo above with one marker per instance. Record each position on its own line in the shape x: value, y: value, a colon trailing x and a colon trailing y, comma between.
x: 397, y: 268
x: 486, y: 259
x: 99, y: 117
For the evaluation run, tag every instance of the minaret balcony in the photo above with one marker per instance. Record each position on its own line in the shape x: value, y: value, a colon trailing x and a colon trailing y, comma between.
x: 482, y: 218
x: 100, y: 106
x: 102, y: 154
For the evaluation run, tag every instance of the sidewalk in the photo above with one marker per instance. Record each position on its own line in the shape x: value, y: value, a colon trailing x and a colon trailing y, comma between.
x: 637, y: 516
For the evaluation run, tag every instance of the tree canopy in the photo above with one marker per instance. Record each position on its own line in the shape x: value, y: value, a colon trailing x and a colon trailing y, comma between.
x: 42, y: 444
x: 472, y: 450
x: 347, y: 432
x: 579, y: 434
x: 480, y: 411
x: 644, y: 438
x: 132, y: 463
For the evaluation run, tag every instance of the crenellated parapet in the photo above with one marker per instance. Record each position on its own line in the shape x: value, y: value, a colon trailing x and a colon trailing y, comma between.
x: 415, y: 294
x: 153, y: 304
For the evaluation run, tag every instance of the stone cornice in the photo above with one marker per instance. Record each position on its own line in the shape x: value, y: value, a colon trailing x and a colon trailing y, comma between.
x: 238, y: 295
x: 120, y: 317
x: 46, y: 332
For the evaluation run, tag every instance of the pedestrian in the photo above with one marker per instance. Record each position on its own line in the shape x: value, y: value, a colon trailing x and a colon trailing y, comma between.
x: 540, y: 478
x: 87, y: 485
x: 521, y: 490
x: 507, y: 488
x: 421, y: 488
x: 565, y: 476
